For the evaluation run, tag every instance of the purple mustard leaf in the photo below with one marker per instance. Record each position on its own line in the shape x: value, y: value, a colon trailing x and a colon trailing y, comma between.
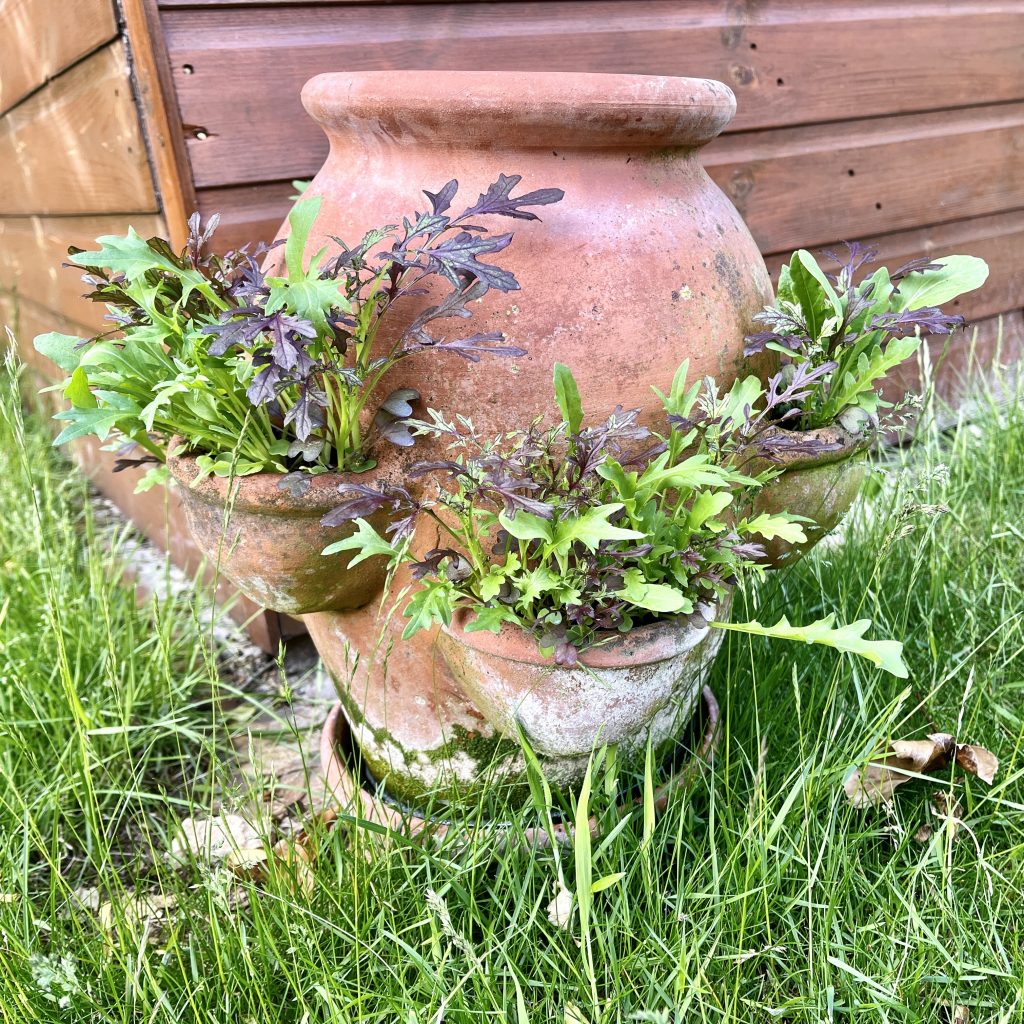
x: 441, y: 201
x: 453, y: 305
x: 307, y: 414
x: 474, y: 346
x: 498, y: 200
x: 915, y: 266
x: 458, y: 258
x: 296, y: 483
x: 856, y: 256
x: 265, y: 384
x: 430, y: 565
x: 359, y: 502
x: 927, y: 320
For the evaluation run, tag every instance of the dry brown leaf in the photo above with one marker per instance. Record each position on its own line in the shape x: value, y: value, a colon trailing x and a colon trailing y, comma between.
x: 875, y: 782
x: 560, y: 908
x: 248, y: 863
x: 954, y: 1013
x: 213, y: 838
x: 295, y: 858
x: 977, y: 761
x: 146, y: 911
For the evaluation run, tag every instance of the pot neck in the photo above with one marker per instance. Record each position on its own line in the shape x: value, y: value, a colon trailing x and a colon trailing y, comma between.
x: 519, y: 110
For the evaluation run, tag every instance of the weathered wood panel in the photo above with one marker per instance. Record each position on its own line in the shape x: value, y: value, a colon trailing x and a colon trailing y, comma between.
x: 33, y: 249
x: 806, y: 186
x: 794, y: 62
x: 158, y: 112
x: 40, y: 38
x: 76, y: 147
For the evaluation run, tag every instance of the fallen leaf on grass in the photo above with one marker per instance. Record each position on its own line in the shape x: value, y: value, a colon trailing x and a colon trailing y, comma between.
x: 875, y: 782
x: 213, y: 838
x: 954, y: 1013
x: 146, y: 911
x: 560, y: 908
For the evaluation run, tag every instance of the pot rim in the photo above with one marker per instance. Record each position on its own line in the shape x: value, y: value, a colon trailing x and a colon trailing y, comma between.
x: 648, y: 644
x: 521, y: 109
x: 852, y: 445
x: 260, y: 492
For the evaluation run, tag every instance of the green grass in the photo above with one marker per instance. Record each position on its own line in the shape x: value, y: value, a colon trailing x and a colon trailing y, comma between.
x: 759, y: 895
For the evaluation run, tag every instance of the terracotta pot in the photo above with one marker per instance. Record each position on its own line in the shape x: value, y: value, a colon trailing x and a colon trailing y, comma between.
x: 268, y: 542
x: 636, y: 686
x: 644, y: 263
x: 339, y: 765
x: 821, y: 487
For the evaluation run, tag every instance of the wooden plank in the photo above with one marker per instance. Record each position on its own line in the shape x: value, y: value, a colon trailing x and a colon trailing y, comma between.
x: 807, y: 186
x: 33, y: 249
x: 75, y: 147
x: 152, y: 75
x: 791, y: 62
x: 40, y: 38
x: 997, y: 239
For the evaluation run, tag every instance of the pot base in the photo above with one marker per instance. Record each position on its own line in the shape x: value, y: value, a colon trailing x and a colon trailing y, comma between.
x: 352, y: 786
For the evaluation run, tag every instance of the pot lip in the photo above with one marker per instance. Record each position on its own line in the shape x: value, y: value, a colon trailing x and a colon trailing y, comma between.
x: 260, y: 492
x: 567, y: 109
x: 851, y: 445
x: 648, y: 644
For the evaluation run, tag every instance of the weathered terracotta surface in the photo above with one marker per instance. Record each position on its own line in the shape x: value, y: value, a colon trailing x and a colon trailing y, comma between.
x: 821, y: 487
x: 268, y: 543
x: 644, y: 263
x: 336, y: 764
x: 422, y: 724
x: 636, y: 686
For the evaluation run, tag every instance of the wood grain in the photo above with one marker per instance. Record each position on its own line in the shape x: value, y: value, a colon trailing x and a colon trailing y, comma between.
x: 238, y: 71
x: 75, y: 147
x: 807, y: 186
x: 33, y: 249
x: 40, y: 38
x: 152, y: 76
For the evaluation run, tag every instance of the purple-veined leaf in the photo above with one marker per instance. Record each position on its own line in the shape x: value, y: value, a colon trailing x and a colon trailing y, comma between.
x: 498, y: 199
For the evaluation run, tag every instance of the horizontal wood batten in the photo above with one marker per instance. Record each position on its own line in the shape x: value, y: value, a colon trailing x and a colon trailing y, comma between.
x: 789, y: 63
x: 33, y: 249
x: 40, y: 38
x: 75, y: 147
x: 794, y: 186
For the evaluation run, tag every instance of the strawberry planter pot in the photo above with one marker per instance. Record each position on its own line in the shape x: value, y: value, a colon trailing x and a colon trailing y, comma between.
x: 643, y: 263
x: 636, y: 686
x: 820, y: 486
x: 268, y: 541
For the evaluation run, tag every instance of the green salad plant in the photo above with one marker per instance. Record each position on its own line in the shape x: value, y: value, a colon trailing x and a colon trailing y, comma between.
x: 579, y: 533
x: 259, y: 370
x: 845, y: 334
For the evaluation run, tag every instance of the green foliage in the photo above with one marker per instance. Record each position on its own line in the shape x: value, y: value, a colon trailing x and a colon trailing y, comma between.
x: 886, y: 654
x: 574, y: 534
x: 842, y: 340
